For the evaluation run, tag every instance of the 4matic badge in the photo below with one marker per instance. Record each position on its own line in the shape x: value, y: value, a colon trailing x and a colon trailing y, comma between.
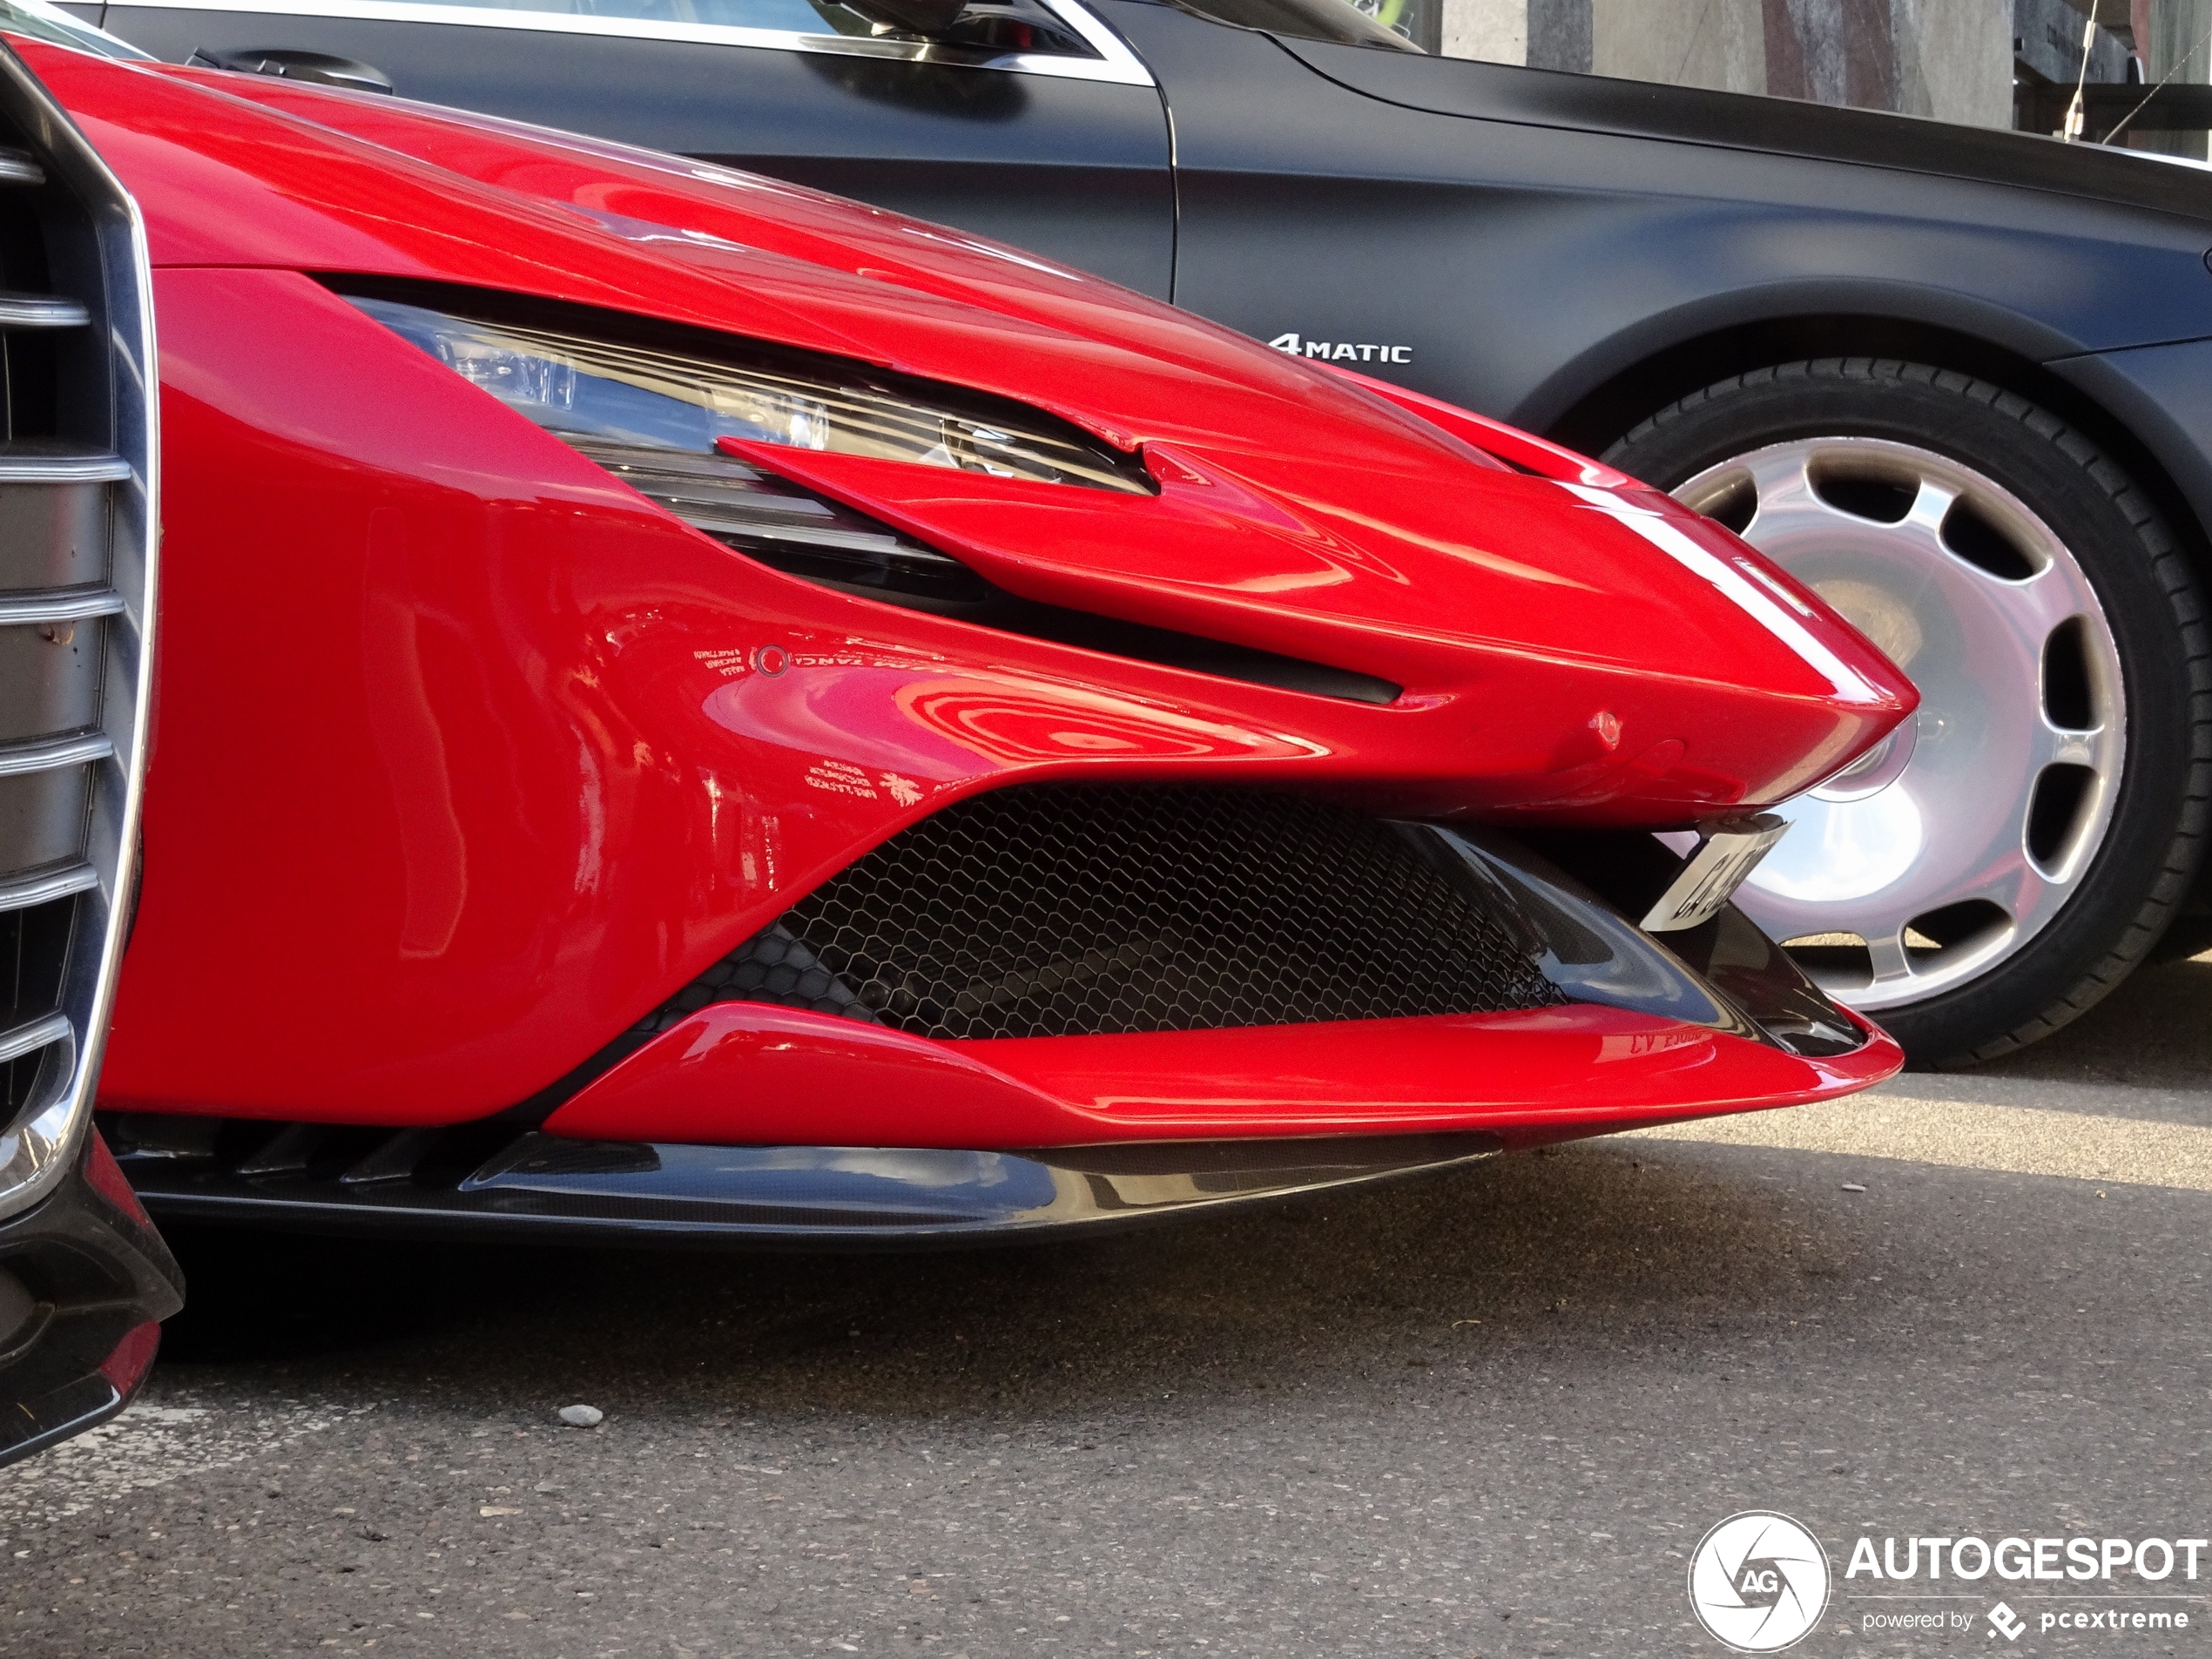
x: 1758, y: 1582
x: 1341, y: 351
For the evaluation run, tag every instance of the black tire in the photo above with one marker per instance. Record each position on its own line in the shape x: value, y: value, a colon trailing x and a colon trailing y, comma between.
x: 2140, y: 876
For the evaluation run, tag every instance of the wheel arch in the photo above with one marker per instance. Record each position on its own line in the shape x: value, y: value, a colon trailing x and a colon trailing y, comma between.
x: 1638, y: 383
x: 2105, y: 408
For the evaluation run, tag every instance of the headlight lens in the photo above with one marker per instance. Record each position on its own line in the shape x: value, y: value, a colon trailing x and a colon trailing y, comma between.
x: 648, y: 402
x: 661, y: 396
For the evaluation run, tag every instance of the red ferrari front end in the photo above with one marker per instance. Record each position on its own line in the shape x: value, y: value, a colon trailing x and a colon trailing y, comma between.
x: 689, y: 705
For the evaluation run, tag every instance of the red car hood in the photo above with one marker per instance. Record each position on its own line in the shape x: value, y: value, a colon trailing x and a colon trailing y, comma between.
x: 1614, y: 654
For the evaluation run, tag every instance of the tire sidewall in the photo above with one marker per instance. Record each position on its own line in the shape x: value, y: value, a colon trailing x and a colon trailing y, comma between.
x: 2141, y: 871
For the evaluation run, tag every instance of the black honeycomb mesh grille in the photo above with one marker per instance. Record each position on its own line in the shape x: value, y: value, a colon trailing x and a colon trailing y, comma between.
x: 1051, y: 911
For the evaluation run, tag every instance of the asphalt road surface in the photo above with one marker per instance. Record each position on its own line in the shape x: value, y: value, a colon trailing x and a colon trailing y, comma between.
x: 1486, y: 1413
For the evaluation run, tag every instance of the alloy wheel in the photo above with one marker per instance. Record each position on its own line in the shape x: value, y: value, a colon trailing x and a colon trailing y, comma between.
x: 1934, y: 857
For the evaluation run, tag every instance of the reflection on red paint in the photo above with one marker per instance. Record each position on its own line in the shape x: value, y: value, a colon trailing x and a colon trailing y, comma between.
x: 753, y: 1074
x: 1017, y: 721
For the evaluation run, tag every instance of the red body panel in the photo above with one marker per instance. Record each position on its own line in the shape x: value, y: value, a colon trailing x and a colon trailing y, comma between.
x: 746, y: 1074
x: 465, y: 759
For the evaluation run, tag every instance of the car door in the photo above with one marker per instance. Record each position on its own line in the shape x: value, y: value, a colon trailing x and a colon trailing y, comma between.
x: 1037, y: 126
x: 1468, y: 259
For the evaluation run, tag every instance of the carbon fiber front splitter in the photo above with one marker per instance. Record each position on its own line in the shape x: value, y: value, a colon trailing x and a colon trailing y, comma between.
x: 486, y: 1182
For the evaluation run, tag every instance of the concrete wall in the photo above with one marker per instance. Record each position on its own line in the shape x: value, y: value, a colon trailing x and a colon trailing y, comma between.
x: 1561, y: 35
x: 1688, y: 42
x: 1961, y: 57
x: 1493, y: 30
x: 2177, y: 33
x: 1949, y: 58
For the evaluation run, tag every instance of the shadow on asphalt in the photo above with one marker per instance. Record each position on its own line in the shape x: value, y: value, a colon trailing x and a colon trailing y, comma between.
x: 1630, y: 1248
x: 1636, y: 1250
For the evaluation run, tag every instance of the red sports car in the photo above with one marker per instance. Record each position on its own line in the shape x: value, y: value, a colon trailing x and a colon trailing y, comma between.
x: 689, y: 705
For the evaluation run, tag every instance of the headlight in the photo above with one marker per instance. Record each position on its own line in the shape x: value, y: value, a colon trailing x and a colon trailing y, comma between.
x: 650, y: 407
x: 648, y: 400
x: 683, y: 391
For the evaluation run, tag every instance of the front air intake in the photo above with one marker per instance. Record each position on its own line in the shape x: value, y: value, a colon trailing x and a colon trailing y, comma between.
x: 1056, y: 911
x: 76, y: 488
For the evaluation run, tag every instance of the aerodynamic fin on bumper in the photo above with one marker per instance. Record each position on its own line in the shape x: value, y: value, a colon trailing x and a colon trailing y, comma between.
x: 747, y: 1121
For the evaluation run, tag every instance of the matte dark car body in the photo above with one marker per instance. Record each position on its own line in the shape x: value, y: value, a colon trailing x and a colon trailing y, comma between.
x: 1541, y: 253
x: 1581, y: 257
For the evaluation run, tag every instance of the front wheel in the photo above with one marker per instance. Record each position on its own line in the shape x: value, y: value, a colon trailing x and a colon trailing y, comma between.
x: 2005, y: 859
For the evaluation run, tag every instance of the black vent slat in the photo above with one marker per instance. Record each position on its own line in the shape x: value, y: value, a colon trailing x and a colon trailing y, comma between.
x: 769, y: 519
x: 1053, y: 911
x: 774, y: 521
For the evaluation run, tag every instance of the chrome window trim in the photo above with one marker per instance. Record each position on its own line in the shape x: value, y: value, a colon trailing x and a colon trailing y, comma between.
x: 1115, y: 64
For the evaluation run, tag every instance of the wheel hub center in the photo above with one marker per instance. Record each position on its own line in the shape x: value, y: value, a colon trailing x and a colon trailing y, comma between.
x: 1877, y: 769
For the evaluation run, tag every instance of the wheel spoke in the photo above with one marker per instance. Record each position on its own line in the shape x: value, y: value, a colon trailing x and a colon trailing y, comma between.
x: 2096, y: 749
x: 1779, y: 482
x: 1887, y: 951
x: 2049, y: 597
x: 1932, y: 504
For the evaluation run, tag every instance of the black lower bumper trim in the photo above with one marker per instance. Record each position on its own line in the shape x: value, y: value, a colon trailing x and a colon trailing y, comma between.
x: 83, y: 1280
x: 539, y: 1186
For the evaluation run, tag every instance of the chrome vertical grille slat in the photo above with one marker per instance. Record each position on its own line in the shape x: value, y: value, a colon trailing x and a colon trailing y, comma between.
x: 43, y: 886
x: 50, y: 754
x: 34, y: 461
x: 17, y: 1041
x: 78, y: 480
x: 40, y: 311
x: 57, y: 604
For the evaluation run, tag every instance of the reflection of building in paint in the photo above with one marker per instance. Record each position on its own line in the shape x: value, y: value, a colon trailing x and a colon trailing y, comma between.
x: 1419, y: 21
x: 2173, y: 41
x: 1948, y: 59
x: 1984, y: 63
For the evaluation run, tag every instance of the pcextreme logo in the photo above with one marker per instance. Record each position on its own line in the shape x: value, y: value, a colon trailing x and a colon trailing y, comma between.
x: 1341, y: 351
x: 1758, y: 1582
